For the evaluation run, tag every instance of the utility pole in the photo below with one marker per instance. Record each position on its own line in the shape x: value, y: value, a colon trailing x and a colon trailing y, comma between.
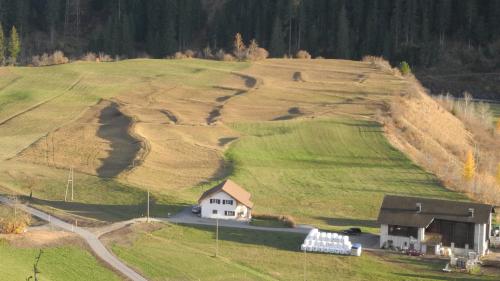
x: 217, y: 238
x: 70, y: 182
x: 305, y: 265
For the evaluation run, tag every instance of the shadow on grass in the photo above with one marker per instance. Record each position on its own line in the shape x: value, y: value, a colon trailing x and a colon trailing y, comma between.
x: 348, y: 222
x: 114, y: 127
x: 277, y: 240
x: 104, y: 212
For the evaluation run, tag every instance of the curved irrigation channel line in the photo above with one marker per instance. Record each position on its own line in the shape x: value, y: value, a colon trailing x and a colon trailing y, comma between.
x: 91, y: 239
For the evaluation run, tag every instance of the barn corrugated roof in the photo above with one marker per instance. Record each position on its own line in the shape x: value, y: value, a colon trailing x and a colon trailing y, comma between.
x: 231, y: 188
x: 401, y: 210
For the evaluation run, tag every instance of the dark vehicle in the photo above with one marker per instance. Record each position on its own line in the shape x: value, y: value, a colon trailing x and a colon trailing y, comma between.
x: 352, y: 231
x: 196, y: 209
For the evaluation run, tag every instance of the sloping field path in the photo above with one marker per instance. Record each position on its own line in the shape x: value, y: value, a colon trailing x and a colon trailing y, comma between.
x: 91, y: 239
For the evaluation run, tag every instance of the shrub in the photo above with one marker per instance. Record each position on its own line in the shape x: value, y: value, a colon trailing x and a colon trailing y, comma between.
x: 14, y: 222
x: 56, y: 58
x: 404, y: 67
x: 35, y: 60
x: 104, y: 57
x: 255, y: 53
x: 207, y: 53
x: 179, y: 55
x: 379, y: 62
x: 222, y: 56
x: 261, y: 54
x: 303, y: 55
x: 189, y: 54
x: 89, y: 57
x: 286, y: 220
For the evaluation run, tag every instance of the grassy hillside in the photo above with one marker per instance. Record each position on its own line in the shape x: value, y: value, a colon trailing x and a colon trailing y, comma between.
x: 56, y: 264
x: 326, y: 172
x: 301, y: 135
x: 51, y: 119
x: 187, y: 253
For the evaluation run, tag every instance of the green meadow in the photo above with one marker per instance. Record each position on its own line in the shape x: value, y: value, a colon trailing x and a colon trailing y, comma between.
x: 177, y: 252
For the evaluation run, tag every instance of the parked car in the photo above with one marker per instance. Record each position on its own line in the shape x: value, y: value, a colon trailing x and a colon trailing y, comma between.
x: 352, y: 231
x: 196, y: 209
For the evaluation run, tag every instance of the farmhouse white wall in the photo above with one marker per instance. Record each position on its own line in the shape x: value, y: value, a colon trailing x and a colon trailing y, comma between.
x: 480, y: 239
x: 207, y: 208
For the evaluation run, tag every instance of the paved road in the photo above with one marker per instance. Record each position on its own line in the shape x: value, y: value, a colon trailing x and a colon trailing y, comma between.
x: 92, y: 239
x: 368, y: 241
x: 186, y: 217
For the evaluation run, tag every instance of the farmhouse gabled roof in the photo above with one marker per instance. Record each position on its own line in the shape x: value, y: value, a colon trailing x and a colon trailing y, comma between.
x: 400, y: 210
x: 233, y: 190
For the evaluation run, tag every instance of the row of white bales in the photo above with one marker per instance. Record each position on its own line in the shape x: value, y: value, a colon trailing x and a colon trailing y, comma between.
x: 327, y: 242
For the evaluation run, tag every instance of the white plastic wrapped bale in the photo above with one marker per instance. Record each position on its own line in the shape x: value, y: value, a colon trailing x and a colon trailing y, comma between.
x: 326, y: 242
x: 356, y: 249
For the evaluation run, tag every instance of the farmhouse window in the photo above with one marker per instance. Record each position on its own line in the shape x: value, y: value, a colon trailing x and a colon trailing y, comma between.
x: 406, y: 231
x: 214, y: 212
x: 227, y: 202
x: 229, y: 213
x: 214, y: 201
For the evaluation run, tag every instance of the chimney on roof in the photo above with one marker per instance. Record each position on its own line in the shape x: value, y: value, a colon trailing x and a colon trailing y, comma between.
x: 471, y: 212
x: 419, y: 207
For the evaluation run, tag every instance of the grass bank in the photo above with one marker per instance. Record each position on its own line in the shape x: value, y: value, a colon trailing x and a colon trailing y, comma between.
x: 56, y: 264
x: 332, y: 173
x: 176, y: 252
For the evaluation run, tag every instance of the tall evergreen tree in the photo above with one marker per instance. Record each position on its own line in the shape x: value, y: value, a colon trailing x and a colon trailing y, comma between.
x: 2, y: 46
x: 14, y: 45
x: 52, y: 14
x: 444, y: 17
x: 127, y: 36
x: 277, y: 45
x: 343, y: 50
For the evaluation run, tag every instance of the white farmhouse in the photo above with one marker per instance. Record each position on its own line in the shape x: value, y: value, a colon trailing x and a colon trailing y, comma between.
x: 427, y: 225
x: 226, y: 201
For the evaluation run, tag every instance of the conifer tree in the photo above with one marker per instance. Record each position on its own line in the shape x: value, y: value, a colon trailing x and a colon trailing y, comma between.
x: 127, y: 36
x: 170, y: 34
x: 14, y: 45
x: 277, y: 45
x: 2, y: 46
x: 52, y: 16
x: 343, y: 35
x: 469, y: 166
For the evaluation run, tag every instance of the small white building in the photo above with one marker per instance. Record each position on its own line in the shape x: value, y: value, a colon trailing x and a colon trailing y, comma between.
x: 226, y: 201
x: 428, y: 225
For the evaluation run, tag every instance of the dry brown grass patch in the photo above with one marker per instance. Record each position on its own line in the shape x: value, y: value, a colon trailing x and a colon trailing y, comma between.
x: 438, y: 141
x: 43, y: 239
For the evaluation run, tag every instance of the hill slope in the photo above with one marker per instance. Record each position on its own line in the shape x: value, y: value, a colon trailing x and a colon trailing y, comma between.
x: 165, y: 125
